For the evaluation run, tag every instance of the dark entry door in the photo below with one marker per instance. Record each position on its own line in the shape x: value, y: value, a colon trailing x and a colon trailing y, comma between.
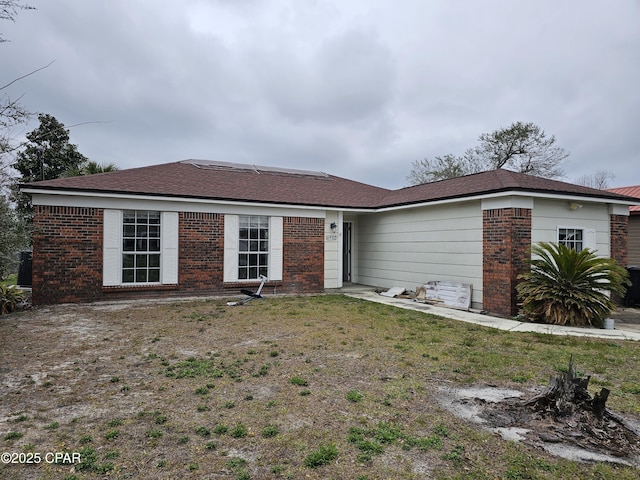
x: 347, y: 260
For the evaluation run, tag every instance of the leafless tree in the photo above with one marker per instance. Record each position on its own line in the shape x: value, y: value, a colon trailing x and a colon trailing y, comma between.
x: 599, y: 180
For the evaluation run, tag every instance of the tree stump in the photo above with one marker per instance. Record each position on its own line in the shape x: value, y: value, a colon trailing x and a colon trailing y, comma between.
x: 567, y: 393
x: 565, y: 412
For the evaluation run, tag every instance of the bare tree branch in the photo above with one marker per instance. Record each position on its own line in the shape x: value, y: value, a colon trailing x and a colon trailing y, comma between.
x: 599, y: 180
x: 86, y: 123
x: 26, y: 75
x: 9, y: 11
x: 522, y: 147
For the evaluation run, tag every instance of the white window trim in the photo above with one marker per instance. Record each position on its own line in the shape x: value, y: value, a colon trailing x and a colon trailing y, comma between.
x: 231, y: 240
x: 112, y: 250
x: 588, y: 235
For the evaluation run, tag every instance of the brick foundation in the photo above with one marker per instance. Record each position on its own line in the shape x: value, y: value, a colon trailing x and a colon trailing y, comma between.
x: 506, y: 250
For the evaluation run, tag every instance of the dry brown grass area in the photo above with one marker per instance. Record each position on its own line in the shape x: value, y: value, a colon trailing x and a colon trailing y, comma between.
x: 292, y: 387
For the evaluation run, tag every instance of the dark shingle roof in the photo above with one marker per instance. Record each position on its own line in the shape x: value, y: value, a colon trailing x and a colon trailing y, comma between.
x: 225, y: 181
x: 248, y: 183
x: 493, y: 181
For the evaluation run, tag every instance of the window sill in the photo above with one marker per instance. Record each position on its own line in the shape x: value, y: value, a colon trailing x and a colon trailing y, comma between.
x: 139, y: 288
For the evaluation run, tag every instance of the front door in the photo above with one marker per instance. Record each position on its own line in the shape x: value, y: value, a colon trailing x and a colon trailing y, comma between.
x: 347, y: 260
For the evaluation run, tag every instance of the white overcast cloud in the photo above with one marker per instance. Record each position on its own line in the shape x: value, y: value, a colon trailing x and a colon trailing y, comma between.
x: 358, y: 89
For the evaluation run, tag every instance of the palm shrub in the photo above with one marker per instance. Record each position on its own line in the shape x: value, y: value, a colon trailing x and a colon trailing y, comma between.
x: 11, y: 297
x: 567, y: 287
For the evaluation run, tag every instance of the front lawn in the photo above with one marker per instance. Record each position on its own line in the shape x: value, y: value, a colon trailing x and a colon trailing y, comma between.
x: 311, y: 387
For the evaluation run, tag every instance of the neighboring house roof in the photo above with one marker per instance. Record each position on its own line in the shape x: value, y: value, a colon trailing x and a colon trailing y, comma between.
x: 204, y: 179
x: 630, y: 192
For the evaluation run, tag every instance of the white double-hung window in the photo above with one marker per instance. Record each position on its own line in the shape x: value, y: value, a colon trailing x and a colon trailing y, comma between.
x: 252, y: 247
x: 140, y: 248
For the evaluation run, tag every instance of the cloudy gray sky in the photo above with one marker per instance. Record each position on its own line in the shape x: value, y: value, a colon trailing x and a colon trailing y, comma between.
x: 357, y: 88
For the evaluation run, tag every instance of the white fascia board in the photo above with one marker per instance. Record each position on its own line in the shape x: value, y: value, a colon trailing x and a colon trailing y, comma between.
x: 432, y: 203
x: 511, y: 201
x: 619, y: 210
x: 581, y: 198
x: 124, y: 201
x: 168, y: 204
x: 518, y: 200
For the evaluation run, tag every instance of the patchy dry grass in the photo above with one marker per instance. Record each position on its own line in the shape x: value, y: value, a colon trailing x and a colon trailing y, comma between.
x: 294, y: 387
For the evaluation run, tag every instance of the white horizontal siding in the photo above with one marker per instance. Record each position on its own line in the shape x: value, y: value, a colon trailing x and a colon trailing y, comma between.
x: 412, y: 247
x: 333, y: 250
x: 548, y: 215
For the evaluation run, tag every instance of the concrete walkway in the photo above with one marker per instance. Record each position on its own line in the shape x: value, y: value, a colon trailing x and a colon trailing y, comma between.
x: 622, y: 331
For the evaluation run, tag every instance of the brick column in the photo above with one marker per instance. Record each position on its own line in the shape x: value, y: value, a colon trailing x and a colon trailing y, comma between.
x: 506, y: 247
x: 619, y: 231
x: 619, y: 228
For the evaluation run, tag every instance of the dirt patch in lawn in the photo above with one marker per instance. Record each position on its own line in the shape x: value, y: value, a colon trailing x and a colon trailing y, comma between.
x: 579, y: 436
x: 292, y: 387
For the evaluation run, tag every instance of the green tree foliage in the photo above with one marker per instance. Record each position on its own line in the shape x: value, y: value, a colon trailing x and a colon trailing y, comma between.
x: 91, y: 168
x: 567, y: 287
x: 521, y: 147
x: 46, y: 155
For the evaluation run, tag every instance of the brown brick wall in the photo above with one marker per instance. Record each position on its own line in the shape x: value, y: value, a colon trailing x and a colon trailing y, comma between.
x: 619, y: 231
x: 619, y: 228
x: 506, y: 244
x: 303, y: 252
x: 67, y: 259
x: 200, y: 260
x: 67, y: 254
